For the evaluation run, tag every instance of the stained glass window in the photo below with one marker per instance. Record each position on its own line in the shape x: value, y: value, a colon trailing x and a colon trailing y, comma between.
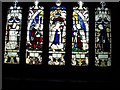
x: 35, y: 35
x: 102, y: 36
x: 57, y: 35
x: 13, y: 35
x: 80, y: 36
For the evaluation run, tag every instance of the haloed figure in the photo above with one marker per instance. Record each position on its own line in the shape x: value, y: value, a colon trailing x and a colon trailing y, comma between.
x: 103, y: 39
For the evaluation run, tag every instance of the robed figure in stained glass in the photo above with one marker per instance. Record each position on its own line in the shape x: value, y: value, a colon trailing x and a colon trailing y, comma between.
x: 58, y: 29
x: 35, y: 38
x: 80, y: 34
x: 35, y: 35
x: 102, y: 36
x: 57, y: 35
x: 103, y: 42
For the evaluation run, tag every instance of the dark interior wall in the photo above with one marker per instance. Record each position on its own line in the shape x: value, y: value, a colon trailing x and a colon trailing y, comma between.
x: 23, y: 75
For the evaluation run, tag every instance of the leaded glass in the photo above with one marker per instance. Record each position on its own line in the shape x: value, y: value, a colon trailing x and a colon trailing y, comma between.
x: 35, y: 35
x: 13, y: 35
x: 80, y: 35
x: 57, y: 35
x: 102, y: 36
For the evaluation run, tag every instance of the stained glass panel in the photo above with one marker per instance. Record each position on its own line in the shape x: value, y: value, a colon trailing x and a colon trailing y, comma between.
x: 80, y: 36
x: 102, y: 36
x: 13, y: 35
x: 35, y: 35
x: 57, y: 35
